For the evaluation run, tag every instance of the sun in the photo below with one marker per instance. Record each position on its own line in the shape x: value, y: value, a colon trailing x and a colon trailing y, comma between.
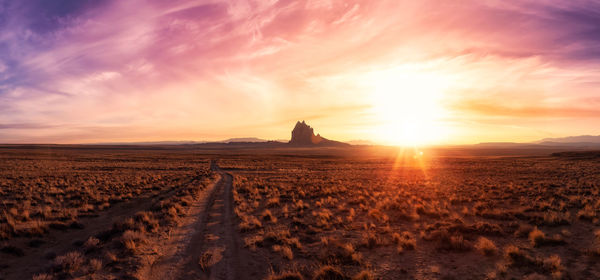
x: 407, y: 106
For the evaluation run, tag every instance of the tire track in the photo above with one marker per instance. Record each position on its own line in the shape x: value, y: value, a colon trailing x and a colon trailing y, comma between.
x: 213, y: 250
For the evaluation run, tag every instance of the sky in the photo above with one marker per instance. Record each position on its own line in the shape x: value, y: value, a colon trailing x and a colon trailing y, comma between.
x: 393, y: 72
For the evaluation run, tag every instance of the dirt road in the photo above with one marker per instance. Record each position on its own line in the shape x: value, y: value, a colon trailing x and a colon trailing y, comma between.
x: 212, y: 252
x: 209, y: 246
x: 206, y: 245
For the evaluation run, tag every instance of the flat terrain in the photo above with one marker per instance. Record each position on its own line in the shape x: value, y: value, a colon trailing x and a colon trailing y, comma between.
x: 188, y: 213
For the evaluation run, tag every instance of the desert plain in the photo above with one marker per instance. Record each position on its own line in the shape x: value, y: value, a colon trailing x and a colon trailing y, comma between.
x: 183, y: 212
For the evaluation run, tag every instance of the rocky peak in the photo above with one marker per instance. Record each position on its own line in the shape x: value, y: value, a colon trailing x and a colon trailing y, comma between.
x: 303, y: 134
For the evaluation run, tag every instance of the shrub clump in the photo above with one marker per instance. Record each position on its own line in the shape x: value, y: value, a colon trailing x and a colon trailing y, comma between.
x: 486, y: 246
x: 329, y: 272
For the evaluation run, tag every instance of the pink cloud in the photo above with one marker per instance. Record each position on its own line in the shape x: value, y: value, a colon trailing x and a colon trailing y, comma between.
x: 157, y: 62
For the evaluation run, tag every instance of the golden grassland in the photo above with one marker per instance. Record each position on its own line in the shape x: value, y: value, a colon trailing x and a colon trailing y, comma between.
x: 97, y: 214
x: 450, y: 218
x: 70, y: 214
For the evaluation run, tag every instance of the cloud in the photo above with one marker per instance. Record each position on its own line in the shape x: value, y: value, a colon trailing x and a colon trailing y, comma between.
x: 25, y: 126
x: 211, y: 64
x: 349, y: 15
x: 484, y: 108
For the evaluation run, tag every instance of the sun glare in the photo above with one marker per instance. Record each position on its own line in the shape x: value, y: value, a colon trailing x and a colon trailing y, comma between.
x: 407, y: 105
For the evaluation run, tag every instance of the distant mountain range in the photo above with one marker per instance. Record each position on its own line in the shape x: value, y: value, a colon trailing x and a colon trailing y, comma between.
x: 302, y: 136
x: 244, y: 139
x: 579, y: 142
x: 588, y: 139
x: 230, y: 140
x: 362, y: 143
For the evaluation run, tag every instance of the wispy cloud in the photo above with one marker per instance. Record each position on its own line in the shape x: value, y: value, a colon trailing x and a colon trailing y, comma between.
x: 204, y: 65
x: 488, y: 109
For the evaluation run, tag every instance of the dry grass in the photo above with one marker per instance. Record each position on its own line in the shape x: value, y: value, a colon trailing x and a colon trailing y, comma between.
x: 69, y: 262
x: 285, y: 276
x: 371, y: 240
x: 538, y: 238
x: 486, y: 246
x: 302, y: 213
x: 249, y: 222
x: 588, y: 213
x: 91, y: 244
x: 348, y: 212
x: 130, y: 239
x: 328, y: 272
x: 523, y: 230
x: 335, y: 251
x: 405, y: 240
x: 550, y: 265
x: 364, y: 275
x: 43, y: 276
x: 553, y: 265
x: 516, y: 257
x: 448, y: 241
x: 95, y: 265
x: 64, y: 191
x: 285, y: 251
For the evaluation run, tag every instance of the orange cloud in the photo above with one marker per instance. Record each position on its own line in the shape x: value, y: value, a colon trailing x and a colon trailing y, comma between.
x: 197, y: 69
x: 487, y: 109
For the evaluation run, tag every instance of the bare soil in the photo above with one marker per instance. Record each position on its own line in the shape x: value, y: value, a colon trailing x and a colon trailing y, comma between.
x: 207, y: 245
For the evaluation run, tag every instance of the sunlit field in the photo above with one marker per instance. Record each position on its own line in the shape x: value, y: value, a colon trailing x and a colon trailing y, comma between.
x: 306, y: 139
x: 68, y: 213
x: 310, y: 214
x: 456, y: 218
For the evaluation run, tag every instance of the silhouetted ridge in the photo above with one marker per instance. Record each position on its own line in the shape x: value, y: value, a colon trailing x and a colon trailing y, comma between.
x: 304, y: 135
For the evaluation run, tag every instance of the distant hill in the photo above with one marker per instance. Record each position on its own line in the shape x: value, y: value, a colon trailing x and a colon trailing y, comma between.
x: 244, y: 140
x: 361, y: 142
x: 155, y: 143
x: 501, y: 144
x: 547, y: 145
x: 170, y: 143
x: 572, y: 139
x: 304, y: 135
x: 583, y: 141
x: 570, y: 144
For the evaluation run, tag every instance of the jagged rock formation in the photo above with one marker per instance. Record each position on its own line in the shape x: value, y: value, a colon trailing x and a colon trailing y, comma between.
x: 304, y: 135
